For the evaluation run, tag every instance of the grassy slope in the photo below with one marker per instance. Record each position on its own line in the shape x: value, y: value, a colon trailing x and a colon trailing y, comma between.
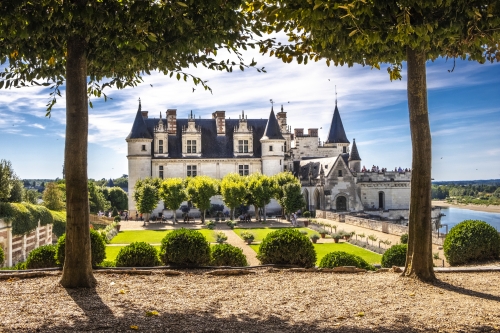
x: 151, y: 236
x: 323, y: 249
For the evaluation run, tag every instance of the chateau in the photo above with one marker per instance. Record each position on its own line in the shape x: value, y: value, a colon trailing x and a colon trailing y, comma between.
x: 330, y: 171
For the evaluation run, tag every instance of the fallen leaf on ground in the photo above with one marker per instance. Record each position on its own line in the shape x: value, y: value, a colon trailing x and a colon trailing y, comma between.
x: 360, y: 314
x: 151, y: 313
x: 134, y: 327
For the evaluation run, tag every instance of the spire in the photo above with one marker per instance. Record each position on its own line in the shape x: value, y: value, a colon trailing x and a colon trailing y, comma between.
x: 140, y: 107
x: 354, y: 152
x: 272, y: 130
x: 336, y: 134
x: 281, y: 107
x: 139, y: 128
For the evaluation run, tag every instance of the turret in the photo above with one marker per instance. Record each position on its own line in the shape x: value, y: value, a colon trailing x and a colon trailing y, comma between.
x: 139, y: 153
x: 273, y: 150
x: 336, y: 134
x: 354, y: 159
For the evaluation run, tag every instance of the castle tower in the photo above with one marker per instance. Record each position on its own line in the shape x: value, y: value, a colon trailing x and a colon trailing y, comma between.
x: 336, y: 134
x: 139, y: 154
x: 272, y: 141
x: 354, y: 159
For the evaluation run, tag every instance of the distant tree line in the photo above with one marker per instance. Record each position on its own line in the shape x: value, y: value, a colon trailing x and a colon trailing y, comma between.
x: 481, y: 194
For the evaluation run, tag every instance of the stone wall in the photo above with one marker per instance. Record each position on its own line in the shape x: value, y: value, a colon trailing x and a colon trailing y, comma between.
x: 381, y: 226
x: 17, y: 248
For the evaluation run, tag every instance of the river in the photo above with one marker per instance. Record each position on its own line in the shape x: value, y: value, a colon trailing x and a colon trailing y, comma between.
x: 457, y: 215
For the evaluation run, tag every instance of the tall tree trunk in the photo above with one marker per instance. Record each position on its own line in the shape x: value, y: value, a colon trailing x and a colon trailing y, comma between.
x: 77, y: 270
x: 174, y: 217
x: 264, y: 213
x: 419, y: 256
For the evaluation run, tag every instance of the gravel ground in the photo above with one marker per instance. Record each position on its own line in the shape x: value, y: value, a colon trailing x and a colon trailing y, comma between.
x: 267, y: 301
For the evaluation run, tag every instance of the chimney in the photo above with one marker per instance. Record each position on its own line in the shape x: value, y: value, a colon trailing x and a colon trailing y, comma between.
x: 313, y: 132
x: 172, y: 121
x: 299, y: 132
x: 144, y: 114
x: 281, y: 117
x: 220, y: 122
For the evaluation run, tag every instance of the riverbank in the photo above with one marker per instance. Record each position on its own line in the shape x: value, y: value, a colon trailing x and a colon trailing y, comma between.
x: 479, y: 208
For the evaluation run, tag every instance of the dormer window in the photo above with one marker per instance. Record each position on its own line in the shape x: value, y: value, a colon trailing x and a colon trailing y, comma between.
x: 242, y: 146
x: 160, y: 146
x: 191, y: 147
x: 340, y: 173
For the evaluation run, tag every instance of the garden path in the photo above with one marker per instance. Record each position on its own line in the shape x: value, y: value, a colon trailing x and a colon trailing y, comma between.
x: 235, y: 240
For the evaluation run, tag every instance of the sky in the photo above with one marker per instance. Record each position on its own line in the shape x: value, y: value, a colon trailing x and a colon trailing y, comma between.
x: 464, y: 111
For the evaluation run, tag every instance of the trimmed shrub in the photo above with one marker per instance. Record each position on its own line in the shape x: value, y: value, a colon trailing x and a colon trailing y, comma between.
x: 341, y: 258
x: 404, y: 239
x: 185, y: 247
x: 42, y: 257
x: 395, y: 256
x: 287, y: 247
x: 117, y: 219
x: 2, y: 256
x: 59, y: 227
x: 97, y: 245
x: 470, y: 241
x: 137, y: 254
x: 227, y: 255
x: 221, y: 237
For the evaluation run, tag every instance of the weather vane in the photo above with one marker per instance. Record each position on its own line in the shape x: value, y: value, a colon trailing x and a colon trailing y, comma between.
x: 272, y: 102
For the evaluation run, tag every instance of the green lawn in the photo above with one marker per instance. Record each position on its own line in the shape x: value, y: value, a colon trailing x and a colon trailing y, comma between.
x: 323, y: 249
x: 261, y: 233
x: 152, y: 236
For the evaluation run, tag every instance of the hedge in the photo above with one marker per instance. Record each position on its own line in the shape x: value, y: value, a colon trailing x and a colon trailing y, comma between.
x: 341, y: 258
x: 97, y: 247
x: 42, y: 257
x: 227, y: 255
x: 2, y: 256
x: 24, y: 216
x: 287, y: 247
x: 137, y: 254
x: 59, y: 227
x: 185, y: 247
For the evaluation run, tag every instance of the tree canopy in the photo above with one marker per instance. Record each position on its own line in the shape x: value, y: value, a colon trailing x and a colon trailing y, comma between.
x: 260, y: 191
x: 233, y: 191
x: 199, y: 190
x: 173, y: 193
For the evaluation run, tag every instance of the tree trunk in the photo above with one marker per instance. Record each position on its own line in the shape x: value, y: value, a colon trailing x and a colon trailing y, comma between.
x: 232, y: 213
x: 257, y: 215
x: 419, y: 256
x: 77, y: 270
x: 174, y: 217
x: 264, y: 212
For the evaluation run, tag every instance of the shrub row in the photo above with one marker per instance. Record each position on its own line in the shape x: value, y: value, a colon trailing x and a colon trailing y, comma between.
x: 24, y: 216
x: 59, y: 226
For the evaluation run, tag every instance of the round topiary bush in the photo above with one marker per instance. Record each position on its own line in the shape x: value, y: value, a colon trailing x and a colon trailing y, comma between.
x: 395, y: 256
x: 137, y: 254
x: 227, y: 255
x: 287, y: 247
x: 341, y: 258
x: 42, y: 257
x: 469, y: 241
x: 185, y: 247
x: 404, y: 239
x: 97, y: 245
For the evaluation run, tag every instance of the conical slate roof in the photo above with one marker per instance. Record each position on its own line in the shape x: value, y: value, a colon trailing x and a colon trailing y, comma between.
x: 336, y: 134
x: 110, y: 183
x: 139, y: 129
x: 354, y: 152
x: 272, y: 131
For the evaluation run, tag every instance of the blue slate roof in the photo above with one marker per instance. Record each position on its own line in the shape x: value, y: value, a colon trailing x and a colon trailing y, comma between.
x: 272, y: 130
x: 336, y: 134
x: 212, y: 145
x: 354, y: 152
x: 139, y: 128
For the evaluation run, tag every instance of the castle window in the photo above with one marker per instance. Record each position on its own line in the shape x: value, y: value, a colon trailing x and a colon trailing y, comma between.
x: 270, y: 148
x: 160, y: 146
x: 243, y: 170
x: 143, y: 148
x: 191, y: 146
x: 284, y: 146
x: 191, y: 171
x: 340, y: 173
x: 161, y: 171
x: 242, y: 146
x: 344, y: 149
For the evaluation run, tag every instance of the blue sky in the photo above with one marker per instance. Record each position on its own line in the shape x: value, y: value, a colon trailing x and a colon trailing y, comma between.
x: 464, y: 109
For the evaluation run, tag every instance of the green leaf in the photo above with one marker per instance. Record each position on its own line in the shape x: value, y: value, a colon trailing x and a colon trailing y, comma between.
x: 182, y: 4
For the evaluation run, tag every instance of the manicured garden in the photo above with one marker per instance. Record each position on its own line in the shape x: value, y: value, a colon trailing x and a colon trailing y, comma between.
x: 112, y: 251
x: 261, y: 233
x: 152, y: 236
x: 323, y: 249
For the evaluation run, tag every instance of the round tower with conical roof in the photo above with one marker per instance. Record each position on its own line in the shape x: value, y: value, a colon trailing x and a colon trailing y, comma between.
x: 354, y: 158
x: 272, y: 143
x: 139, y: 154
